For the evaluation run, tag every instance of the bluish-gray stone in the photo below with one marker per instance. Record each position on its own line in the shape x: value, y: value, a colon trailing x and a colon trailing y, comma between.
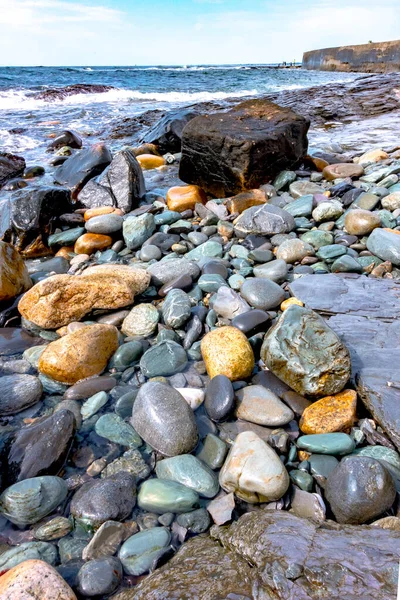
x: 161, y: 496
x: 191, y: 472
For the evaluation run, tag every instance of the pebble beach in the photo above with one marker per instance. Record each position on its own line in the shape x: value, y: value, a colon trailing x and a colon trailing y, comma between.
x: 198, y: 350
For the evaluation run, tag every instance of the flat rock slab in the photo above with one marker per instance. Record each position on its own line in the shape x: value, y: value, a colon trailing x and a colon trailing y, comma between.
x: 349, y: 294
x: 289, y: 558
x: 364, y: 312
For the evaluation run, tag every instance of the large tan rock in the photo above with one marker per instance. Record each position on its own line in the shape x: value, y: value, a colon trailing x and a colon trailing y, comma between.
x: 226, y: 351
x: 62, y: 299
x: 14, y: 277
x: 34, y: 579
x: 80, y: 354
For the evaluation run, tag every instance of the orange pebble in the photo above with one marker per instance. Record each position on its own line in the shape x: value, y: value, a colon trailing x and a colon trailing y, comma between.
x: 91, y: 242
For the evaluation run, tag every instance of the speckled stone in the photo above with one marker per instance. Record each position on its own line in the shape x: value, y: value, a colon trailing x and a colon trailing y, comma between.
x: 164, y: 359
x: 162, y: 417
x: 176, y: 309
x: 327, y: 211
x: 330, y: 414
x: 226, y: 351
x: 34, y: 579
x: 141, y: 322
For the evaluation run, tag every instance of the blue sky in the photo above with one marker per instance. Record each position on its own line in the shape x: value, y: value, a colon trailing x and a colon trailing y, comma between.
x: 129, y: 32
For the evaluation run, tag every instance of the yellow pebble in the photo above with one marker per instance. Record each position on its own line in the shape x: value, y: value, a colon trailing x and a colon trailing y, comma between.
x: 303, y: 455
x: 327, y: 194
x: 289, y: 302
x: 149, y: 161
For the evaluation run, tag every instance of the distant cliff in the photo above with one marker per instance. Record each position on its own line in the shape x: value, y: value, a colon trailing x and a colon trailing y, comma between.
x: 383, y: 57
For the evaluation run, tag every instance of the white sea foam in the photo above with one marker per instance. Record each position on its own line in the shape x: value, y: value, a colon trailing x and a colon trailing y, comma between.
x: 10, y: 142
x: 23, y: 100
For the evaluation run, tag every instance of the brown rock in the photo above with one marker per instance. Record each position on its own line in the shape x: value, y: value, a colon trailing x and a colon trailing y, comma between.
x: 226, y: 351
x: 330, y: 414
x: 81, y: 354
x: 372, y: 156
x: 62, y: 299
x: 150, y: 161
x: 89, y: 243
x: 342, y: 170
x: 66, y: 252
x: 34, y: 579
x: 14, y: 277
x: 392, y: 201
x: 239, y: 203
x: 186, y: 197
x: 101, y: 210
x: 361, y: 222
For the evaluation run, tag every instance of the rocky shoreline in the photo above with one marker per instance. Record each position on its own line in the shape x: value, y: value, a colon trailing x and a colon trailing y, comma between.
x: 199, y: 395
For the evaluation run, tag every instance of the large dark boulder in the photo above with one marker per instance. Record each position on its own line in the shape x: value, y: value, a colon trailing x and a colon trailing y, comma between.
x: 10, y: 166
x: 167, y: 132
x: 77, y: 170
x: 120, y: 185
x: 27, y: 216
x: 274, y: 555
x: 227, y: 153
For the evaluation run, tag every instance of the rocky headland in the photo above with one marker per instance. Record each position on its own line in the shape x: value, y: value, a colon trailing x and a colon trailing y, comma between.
x: 378, y: 57
x: 198, y: 359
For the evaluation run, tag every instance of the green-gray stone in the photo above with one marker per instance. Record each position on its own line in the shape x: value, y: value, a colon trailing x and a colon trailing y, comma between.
x: 140, y: 551
x: 329, y: 253
x: 284, y: 179
x: 327, y: 443
x: 123, y: 406
x: 385, y: 245
x: 346, y: 264
x: 33, y: 354
x: 113, y: 428
x: 211, y: 283
x: 210, y: 248
x: 191, y: 472
x: 197, y: 521
x: 126, y: 355
x: 365, y: 261
x: 317, y: 238
x: 322, y: 464
x: 164, y: 359
x: 161, y: 496
x: 130, y: 462
x: 176, y: 309
x: 51, y: 386
x: 93, y: 405
x: 380, y: 453
x: 54, y: 529
x: 71, y: 548
x: 167, y: 217
x: 366, y: 201
x: 387, y: 219
x: 136, y: 230
x: 239, y: 251
x: 28, y: 551
x: 320, y: 267
x: 66, y: 238
x: 302, y: 207
x: 236, y: 281
x: 302, y: 479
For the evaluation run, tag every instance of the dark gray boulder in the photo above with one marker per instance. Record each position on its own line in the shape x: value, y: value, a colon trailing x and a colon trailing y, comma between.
x: 29, y: 213
x: 167, y: 132
x: 227, y: 153
x: 10, y: 166
x: 77, y: 170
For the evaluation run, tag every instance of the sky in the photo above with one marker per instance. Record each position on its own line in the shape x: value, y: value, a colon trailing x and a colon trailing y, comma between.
x: 185, y: 32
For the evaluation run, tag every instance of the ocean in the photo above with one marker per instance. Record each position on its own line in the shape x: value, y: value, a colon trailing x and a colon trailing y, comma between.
x: 26, y: 121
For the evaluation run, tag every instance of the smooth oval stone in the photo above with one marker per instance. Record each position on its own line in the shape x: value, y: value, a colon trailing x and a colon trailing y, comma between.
x: 168, y: 269
x: 113, y: 428
x: 126, y: 355
x: 183, y: 282
x: 385, y: 245
x: 28, y: 501
x: 228, y: 304
x: 276, y: 270
x: 327, y: 211
x: 209, y: 248
x: 220, y: 398
x: 93, y: 405
x: 66, y: 238
x: 54, y: 529
x: 303, y: 351
x: 87, y: 388
x: 359, y: 489
x: 263, y: 294
x: 101, y: 500
x: 327, y: 443
x: 197, y: 521
x: 163, y: 418
x: 104, y: 224
x: 176, y: 309
x: 100, y: 576
x: 380, y: 453
x: 191, y: 472
x: 163, y: 359
x: 141, y: 551
x: 329, y: 253
x: 141, y: 322
x: 18, y: 392
x: 57, y: 264
x: 259, y: 405
x: 346, y: 264
x: 161, y: 496
x: 252, y: 321
x: 213, y: 267
x: 42, y: 551
x: 150, y: 252
x: 210, y: 283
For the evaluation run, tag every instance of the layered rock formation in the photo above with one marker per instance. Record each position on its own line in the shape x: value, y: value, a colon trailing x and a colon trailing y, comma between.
x: 382, y: 57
